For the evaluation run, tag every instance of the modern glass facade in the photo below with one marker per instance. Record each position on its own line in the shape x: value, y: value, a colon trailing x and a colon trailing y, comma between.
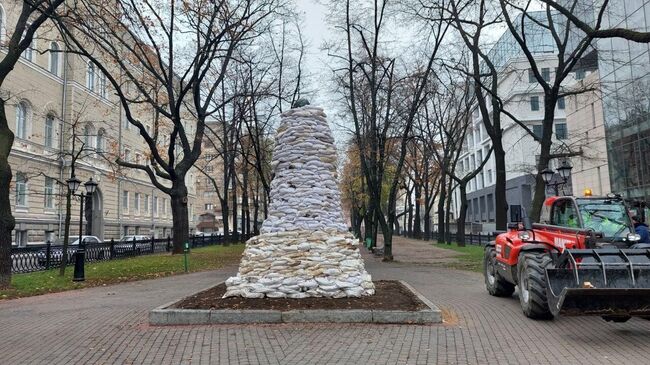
x: 625, y: 77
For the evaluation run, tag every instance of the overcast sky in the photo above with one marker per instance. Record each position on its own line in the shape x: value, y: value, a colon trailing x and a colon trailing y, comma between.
x: 315, y: 31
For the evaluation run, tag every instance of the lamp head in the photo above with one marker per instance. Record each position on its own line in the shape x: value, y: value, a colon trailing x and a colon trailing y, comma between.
x: 547, y: 175
x: 90, y: 186
x: 73, y: 184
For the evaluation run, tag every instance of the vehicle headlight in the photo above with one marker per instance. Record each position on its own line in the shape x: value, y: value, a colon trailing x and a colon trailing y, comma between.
x: 633, y: 237
x: 524, y: 235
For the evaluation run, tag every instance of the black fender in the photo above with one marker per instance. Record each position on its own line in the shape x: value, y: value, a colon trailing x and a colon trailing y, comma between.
x: 536, y: 247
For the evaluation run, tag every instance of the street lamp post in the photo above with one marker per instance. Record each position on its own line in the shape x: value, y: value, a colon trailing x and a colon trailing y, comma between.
x: 564, y: 171
x: 80, y: 254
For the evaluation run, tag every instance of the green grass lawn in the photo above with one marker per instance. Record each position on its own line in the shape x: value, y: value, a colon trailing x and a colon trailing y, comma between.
x: 471, y: 258
x: 117, y: 271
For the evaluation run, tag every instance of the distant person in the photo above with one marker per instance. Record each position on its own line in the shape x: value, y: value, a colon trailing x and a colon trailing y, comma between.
x: 641, y: 229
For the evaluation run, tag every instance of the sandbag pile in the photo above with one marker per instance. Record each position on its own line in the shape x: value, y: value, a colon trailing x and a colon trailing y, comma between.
x: 304, y: 249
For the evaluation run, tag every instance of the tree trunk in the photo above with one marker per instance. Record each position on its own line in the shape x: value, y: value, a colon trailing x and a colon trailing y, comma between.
x: 417, y: 227
x: 448, y: 210
x: 500, y: 199
x: 234, y: 204
x: 180, y: 219
x: 544, y: 159
x: 256, y: 212
x: 7, y: 221
x: 225, y: 215
x: 409, y: 227
x: 441, y: 209
x: 387, y: 232
x: 66, y: 232
x: 460, y: 233
x: 367, y: 225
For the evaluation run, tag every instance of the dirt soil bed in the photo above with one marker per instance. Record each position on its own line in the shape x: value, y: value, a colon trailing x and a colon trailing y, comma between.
x: 390, y: 295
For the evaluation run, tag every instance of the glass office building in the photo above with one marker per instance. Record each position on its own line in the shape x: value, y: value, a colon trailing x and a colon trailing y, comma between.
x: 625, y: 76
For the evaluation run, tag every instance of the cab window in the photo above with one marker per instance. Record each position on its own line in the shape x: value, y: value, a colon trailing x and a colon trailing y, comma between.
x: 565, y: 214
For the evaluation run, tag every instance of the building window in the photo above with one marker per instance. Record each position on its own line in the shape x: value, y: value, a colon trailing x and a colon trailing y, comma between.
x: 49, y: 236
x: 90, y: 76
x: 546, y: 74
x: 49, y: 131
x: 164, y: 207
x: 531, y: 76
x: 21, y: 238
x: 54, y: 58
x: 560, y: 103
x: 534, y: 103
x: 102, y: 86
x: 125, y: 202
x: 515, y: 213
x: 101, y: 141
x: 21, y: 190
x: 538, y: 130
x: 21, y: 120
x: 490, y: 207
x: 209, y: 206
x: 2, y: 25
x: 127, y: 155
x: 560, y: 130
x: 155, y: 206
x: 580, y: 74
x: 49, y: 193
x: 89, y: 133
x: 28, y: 53
x: 137, y: 158
x: 125, y: 121
x: 146, y: 203
x: 489, y: 176
x: 136, y: 200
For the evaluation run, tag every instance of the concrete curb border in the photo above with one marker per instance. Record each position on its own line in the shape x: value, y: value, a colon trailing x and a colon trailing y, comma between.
x: 163, y: 315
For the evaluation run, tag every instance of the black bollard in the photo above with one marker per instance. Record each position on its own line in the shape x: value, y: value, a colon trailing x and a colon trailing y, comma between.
x: 79, y: 258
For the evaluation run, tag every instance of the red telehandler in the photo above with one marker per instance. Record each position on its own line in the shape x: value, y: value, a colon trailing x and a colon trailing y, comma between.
x: 583, y: 258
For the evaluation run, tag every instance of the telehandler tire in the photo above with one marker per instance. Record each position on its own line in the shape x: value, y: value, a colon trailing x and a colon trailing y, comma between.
x: 495, y: 284
x: 532, y: 284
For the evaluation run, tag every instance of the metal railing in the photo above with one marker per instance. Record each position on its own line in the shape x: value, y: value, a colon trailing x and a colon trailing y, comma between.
x: 470, y: 238
x: 47, y: 256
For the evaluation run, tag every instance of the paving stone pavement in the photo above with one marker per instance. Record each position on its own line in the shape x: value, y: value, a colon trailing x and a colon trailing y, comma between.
x: 108, y: 325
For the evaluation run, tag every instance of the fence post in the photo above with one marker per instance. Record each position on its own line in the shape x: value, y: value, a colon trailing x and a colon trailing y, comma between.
x: 479, y: 239
x: 133, y: 250
x: 152, y: 244
x: 169, y: 243
x: 112, y: 248
x: 48, y: 254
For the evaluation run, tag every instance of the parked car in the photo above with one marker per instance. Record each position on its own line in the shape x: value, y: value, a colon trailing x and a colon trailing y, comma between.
x: 126, y: 247
x: 56, y: 250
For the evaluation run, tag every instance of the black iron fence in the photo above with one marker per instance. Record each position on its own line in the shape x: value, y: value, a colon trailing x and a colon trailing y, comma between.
x: 47, y: 256
x: 470, y: 238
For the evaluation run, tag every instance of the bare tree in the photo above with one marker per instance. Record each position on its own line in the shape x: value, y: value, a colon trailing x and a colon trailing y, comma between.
x: 171, y: 59
x: 381, y: 103
x: 570, y: 48
x: 31, y: 15
x: 447, y: 110
x: 593, y: 28
x: 472, y: 20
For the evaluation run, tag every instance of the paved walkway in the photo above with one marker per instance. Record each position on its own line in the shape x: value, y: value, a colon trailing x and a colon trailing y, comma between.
x: 108, y: 325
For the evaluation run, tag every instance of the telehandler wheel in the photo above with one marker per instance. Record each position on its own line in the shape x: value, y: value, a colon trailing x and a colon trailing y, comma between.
x: 495, y: 284
x: 532, y: 284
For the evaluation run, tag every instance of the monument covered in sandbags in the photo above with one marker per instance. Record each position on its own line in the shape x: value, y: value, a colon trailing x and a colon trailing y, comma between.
x: 304, y: 249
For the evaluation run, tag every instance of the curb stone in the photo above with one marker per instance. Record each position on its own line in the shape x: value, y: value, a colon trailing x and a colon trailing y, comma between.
x: 164, y: 315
